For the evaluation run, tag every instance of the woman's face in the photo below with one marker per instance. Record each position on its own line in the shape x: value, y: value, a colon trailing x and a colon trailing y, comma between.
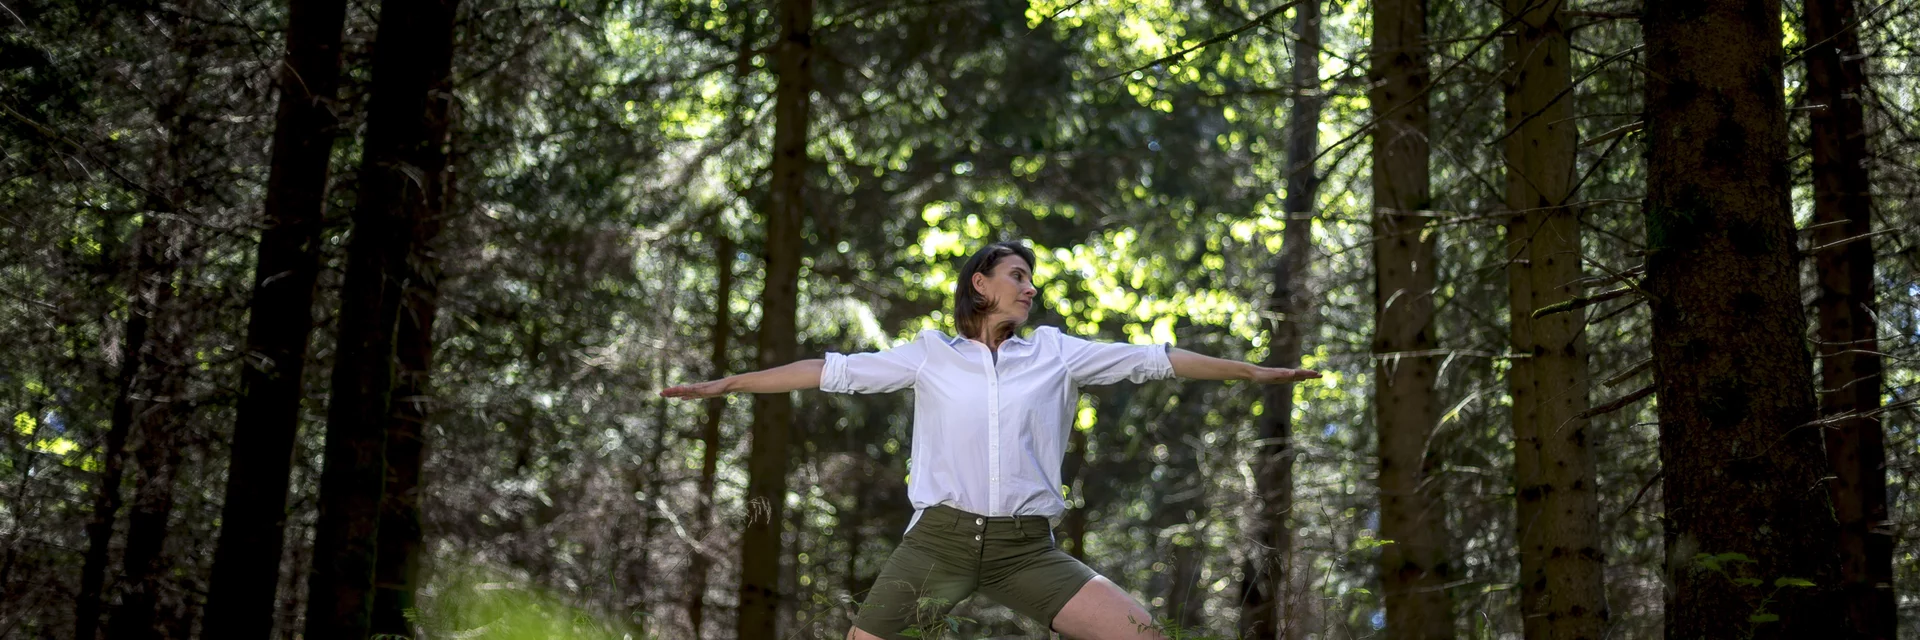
x: 1009, y: 286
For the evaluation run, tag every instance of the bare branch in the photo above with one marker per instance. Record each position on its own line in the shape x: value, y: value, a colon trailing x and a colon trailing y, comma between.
x: 1582, y: 302
x: 1863, y: 236
x: 1623, y: 376
x: 1618, y: 403
x: 1615, y: 133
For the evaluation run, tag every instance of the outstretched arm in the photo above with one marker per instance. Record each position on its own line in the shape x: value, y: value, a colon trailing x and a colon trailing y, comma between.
x: 804, y: 374
x: 1187, y: 364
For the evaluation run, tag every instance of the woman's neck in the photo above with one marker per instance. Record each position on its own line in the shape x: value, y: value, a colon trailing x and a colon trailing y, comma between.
x: 995, y: 332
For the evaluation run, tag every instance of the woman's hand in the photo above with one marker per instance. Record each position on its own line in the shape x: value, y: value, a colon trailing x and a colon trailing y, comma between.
x: 1275, y: 375
x: 695, y: 390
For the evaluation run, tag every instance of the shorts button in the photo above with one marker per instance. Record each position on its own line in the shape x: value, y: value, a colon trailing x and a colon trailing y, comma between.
x: 980, y: 521
x: 976, y: 538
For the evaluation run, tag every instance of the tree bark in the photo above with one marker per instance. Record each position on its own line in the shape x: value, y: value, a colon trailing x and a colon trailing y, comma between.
x: 158, y: 414
x: 1266, y: 604
x: 1085, y: 472
x: 411, y: 57
x: 723, y: 251
x: 144, y: 393
x: 1179, y: 502
x: 398, y: 549
x: 156, y: 406
x: 246, y: 561
x: 1733, y: 379
x: 1850, y: 366
x: 760, y: 553
x: 1561, y: 590
x: 1073, y: 472
x: 150, y: 268
x: 1414, y: 569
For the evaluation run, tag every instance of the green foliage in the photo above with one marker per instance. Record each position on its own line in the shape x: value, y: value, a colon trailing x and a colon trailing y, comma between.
x: 487, y: 604
x: 1735, y: 567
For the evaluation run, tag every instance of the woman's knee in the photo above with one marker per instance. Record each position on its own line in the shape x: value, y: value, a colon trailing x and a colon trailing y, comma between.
x: 854, y: 633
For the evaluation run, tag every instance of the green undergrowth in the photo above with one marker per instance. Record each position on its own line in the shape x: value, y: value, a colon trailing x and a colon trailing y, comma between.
x: 479, y: 604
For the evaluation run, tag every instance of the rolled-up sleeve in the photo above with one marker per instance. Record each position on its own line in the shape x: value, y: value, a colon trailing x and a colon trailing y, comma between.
x: 875, y: 372
x: 1097, y: 363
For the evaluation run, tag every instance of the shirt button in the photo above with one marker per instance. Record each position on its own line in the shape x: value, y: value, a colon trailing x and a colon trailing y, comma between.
x: 976, y: 538
x: 980, y: 521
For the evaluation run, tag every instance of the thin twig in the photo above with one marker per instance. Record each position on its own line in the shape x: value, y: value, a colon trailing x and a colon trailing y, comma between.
x: 1636, y: 498
x: 1209, y: 41
x: 1565, y: 92
x: 1643, y: 365
x: 1615, y: 133
x: 1617, y: 403
x: 1581, y: 302
x: 1863, y: 236
x: 1610, y: 278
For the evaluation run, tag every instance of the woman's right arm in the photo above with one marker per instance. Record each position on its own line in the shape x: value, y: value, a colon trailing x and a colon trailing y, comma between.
x: 804, y: 374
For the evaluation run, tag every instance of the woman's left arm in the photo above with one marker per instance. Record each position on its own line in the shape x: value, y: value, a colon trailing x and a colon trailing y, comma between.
x: 1187, y: 364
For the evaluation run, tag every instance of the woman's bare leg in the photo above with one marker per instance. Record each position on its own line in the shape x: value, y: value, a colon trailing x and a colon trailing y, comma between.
x: 1102, y: 611
x: 855, y: 633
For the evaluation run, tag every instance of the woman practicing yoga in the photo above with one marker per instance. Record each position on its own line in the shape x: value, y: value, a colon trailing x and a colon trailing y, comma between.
x: 992, y: 411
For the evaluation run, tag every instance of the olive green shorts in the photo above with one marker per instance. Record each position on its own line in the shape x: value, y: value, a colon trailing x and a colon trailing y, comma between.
x: 950, y: 554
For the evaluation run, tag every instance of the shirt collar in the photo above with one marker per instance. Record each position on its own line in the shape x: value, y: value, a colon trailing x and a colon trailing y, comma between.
x: 1013, y: 339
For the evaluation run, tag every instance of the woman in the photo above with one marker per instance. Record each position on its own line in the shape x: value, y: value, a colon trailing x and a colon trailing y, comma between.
x: 992, y: 412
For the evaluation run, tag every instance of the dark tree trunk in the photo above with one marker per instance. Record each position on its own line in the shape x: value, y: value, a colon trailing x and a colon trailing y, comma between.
x: 723, y: 251
x: 396, y: 573
x: 253, y: 519
x: 1073, y: 472
x: 1266, y: 605
x: 159, y: 413
x: 412, y: 56
x: 150, y: 268
x: 760, y: 554
x: 144, y: 394
x: 1176, y: 500
x: 1734, y: 381
x: 646, y: 482
x: 1090, y: 476
x: 1414, y: 570
x: 1850, y: 367
x: 1561, y: 591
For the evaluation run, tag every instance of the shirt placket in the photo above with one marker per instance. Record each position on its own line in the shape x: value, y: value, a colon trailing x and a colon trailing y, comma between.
x: 993, y: 435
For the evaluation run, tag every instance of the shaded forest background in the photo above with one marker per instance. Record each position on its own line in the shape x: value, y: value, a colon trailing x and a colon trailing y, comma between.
x: 321, y: 319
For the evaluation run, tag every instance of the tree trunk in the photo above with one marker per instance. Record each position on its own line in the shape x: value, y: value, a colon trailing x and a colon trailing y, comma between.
x: 158, y: 414
x: 1850, y: 367
x: 150, y: 268
x: 411, y: 60
x: 1178, y: 506
x: 1414, y: 570
x: 1073, y: 472
x: 157, y: 410
x: 723, y: 250
x: 1561, y: 590
x: 773, y: 413
x: 396, y: 573
x: 1266, y: 603
x: 145, y: 394
x: 1733, y: 379
x: 253, y: 520
x: 1088, y: 473
x: 645, y: 480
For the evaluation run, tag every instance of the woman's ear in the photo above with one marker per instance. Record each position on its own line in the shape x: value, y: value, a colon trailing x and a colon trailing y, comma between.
x: 979, y: 283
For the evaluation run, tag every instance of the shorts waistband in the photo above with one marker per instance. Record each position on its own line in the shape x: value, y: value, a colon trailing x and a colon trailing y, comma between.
x: 945, y: 518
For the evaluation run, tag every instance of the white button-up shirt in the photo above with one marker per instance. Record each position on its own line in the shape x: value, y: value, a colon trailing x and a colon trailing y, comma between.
x: 989, y: 436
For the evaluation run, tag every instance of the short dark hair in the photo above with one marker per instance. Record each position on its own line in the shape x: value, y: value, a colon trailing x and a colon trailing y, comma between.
x: 970, y: 309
